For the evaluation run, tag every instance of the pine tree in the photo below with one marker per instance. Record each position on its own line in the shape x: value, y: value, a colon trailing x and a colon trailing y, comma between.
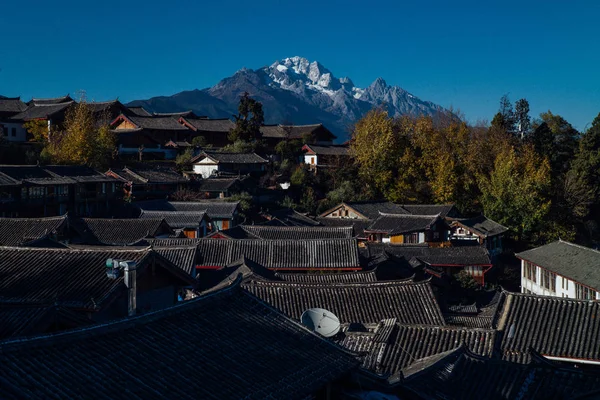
x: 522, y: 119
x: 248, y: 121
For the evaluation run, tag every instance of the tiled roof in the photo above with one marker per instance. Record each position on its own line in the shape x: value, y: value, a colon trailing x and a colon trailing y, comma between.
x: 578, y: 263
x: 177, y: 219
x: 366, y: 303
x: 188, y: 113
x: 214, y: 208
x: 223, y: 345
x: 217, y: 184
x: 183, y: 257
x: 6, y: 180
x: 331, y: 150
x: 553, y: 326
x: 118, y: 232
x: 34, y: 174
x: 139, y: 111
x: 291, y: 232
x: 288, y: 217
x: 460, y: 374
x: 438, y: 256
x: 51, y: 100
x: 292, y: 131
x: 282, y: 254
x: 373, y: 209
x: 230, y: 158
x: 168, y: 242
x: 392, y: 346
x: 150, y: 174
x: 481, y: 226
x: 74, y: 278
x: 167, y: 123
x: 358, y: 225
x: 19, y: 231
x: 394, y: 224
x: 79, y: 173
x: 342, y: 277
x: 209, y: 125
x: 11, y: 105
x: 431, y: 209
x: 42, y: 111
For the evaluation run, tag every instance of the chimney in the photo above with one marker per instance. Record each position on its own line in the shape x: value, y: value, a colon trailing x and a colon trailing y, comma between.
x: 131, y: 283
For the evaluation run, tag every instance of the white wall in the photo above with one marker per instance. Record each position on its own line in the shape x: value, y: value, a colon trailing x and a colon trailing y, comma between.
x: 20, y: 132
x: 205, y: 170
x: 564, y: 286
x: 308, y: 157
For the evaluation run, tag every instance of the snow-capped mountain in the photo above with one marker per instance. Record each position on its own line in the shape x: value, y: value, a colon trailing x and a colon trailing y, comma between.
x: 295, y: 90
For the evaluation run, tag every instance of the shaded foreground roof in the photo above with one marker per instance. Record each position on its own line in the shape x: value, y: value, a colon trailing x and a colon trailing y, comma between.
x: 149, y: 174
x: 183, y: 257
x: 79, y: 173
x: 120, y: 232
x: 228, y: 345
x: 366, y: 303
x: 281, y: 254
x: 553, y: 326
x: 358, y: 225
x: 326, y: 277
x: 393, y: 346
x: 437, y: 256
x: 288, y: 217
x: 214, y: 208
x: 578, y: 263
x: 208, y: 125
x: 19, y: 231
x: 461, y: 374
x: 33, y: 174
x: 74, y: 278
x: 481, y: 226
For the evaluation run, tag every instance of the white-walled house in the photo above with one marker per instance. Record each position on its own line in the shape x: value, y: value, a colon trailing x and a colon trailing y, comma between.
x: 212, y: 163
x: 322, y: 156
x: 10, y: 129
x: 561, y: 269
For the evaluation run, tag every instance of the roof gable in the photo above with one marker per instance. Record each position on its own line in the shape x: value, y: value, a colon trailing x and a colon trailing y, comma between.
x: 395, y: 224
x: 20, y: 231
x: 119, y: 232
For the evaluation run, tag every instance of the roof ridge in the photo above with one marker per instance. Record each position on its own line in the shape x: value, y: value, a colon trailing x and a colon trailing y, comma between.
x: 403, y: 282
x: 77, y: 249
x: 408, y: 215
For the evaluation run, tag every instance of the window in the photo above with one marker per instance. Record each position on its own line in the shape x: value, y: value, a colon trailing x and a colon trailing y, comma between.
x: 37, y: 192
x: 13, y: 132
x: 530, y: 271
x: 103, y: 188
x: 548, y: 280
x: 565, y: 283
x: 62, y: 190
x: 584, y: 293
x: 412, y: 238
x: 5, y: 131
x: 436, y: 235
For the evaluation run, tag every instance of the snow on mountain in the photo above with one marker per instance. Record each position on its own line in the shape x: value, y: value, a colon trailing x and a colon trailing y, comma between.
x: 296, y: 90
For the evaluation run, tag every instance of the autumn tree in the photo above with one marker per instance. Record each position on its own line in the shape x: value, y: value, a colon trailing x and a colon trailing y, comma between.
x: 38, y: 129
x: 516, y: 192
x: 86, y: 139
x: 248, y: 121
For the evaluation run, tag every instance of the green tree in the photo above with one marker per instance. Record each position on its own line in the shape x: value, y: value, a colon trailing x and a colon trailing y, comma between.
x: 516, y: 192
x: 241, y: 146
x: 85, y: 139
x: 199, y: 141
x: 248, y: 121
x: 522, y: 119
x: 183, y: 161
x: 556, y: 139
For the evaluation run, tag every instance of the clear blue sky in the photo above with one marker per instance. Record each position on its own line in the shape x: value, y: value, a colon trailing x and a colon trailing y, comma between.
x: 463, y: 54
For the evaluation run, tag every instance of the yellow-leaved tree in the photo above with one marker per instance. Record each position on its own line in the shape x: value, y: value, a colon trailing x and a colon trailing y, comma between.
x: 516, y: 192
x: 85, y: 139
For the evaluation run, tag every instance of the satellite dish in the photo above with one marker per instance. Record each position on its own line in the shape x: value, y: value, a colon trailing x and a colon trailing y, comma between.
x: 321, y: 321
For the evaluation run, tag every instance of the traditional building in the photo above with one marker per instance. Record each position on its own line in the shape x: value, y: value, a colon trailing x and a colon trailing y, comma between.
x: 214, y: 131
x: 561, y: 269
x: 210, y: 163
x: 28, y: 231
x: 11, y: 130
x: 269, y: 232
x: 248, y: 350
x: 479, y: 231
x: 408, y: 229
x: 327, y: 255
x: 118, y: 232
x: 222, y: 214
x: 145, y: 181
x: 76, y: 279
x: 134, y: 131
x: 192, y: 224
x: 315, y: 133
x: 321, y: 156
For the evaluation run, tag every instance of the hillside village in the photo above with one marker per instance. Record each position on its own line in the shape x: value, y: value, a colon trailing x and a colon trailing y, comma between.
x: 183, y: 263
